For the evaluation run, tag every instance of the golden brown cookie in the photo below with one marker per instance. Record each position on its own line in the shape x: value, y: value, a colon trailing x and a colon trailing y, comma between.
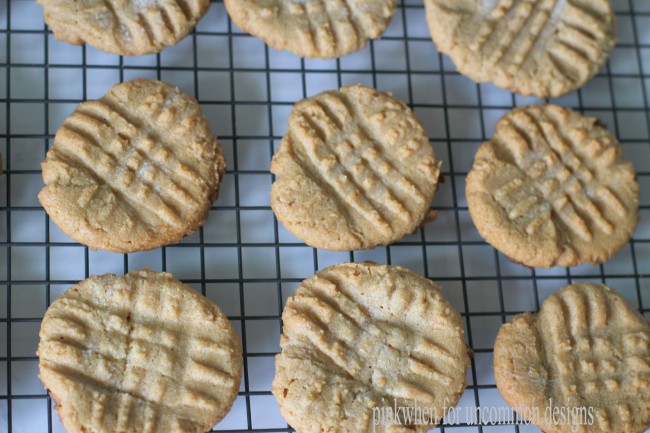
x: 134, y: 170
x: 551, y: 188
x: 589, y: 352
x: 544, y: 48
x: 354, y: 170
x: 359, y: 338
x: 125, y: 27
x: 139, y: 353
x: 313, y: 28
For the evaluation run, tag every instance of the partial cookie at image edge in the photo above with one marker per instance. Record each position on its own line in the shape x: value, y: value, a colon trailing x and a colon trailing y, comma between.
x: 587, y: 344
x: 543, y: 48
x: 130, y: 27
x: 322, y: 29
x: 349, y: 347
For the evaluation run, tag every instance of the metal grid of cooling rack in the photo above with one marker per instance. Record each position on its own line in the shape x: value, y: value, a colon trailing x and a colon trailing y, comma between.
x: 242, y: 258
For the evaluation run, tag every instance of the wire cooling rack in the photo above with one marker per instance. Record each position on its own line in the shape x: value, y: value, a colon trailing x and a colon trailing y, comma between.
x: 242, y: 258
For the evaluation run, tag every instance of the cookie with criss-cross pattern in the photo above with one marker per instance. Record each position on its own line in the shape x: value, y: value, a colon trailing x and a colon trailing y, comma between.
x: 359, y: 339
x: 139, y: 353
x: 135, y: 170
x: 354, y: 170
x: 551, y: 188
x: 544, y: 48
x: 585, y: 355
x: 126, y: 27
x: 313, y: 28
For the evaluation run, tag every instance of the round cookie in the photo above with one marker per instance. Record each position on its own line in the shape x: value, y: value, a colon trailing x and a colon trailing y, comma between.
x: 354, y: 170
x: 125, y: 27
x: 139, y: 353
x: 544, y: 48
x: 134, y: 170
x: 313, y: 28
x: 551, y: 188
x: 589, y: 352
x: 359, y: 339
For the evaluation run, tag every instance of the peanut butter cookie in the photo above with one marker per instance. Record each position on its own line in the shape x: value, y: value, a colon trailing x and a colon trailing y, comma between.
x: 126, y: 27
x: 313, y: 28
x: 134, y: 170
x: 139, y: 353
x: 551, y: 188
x: 359, y: 339
x: 586, y: 356
x: 354, y: 170
x: 544, y: 48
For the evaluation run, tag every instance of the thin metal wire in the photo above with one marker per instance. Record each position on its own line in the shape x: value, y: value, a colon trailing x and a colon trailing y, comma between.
x: 46, y: 122
x: 7, y: 159
x: 282, y: 283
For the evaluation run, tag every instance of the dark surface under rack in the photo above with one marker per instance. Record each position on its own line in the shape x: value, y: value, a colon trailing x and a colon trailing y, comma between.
x: 243, y: 259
